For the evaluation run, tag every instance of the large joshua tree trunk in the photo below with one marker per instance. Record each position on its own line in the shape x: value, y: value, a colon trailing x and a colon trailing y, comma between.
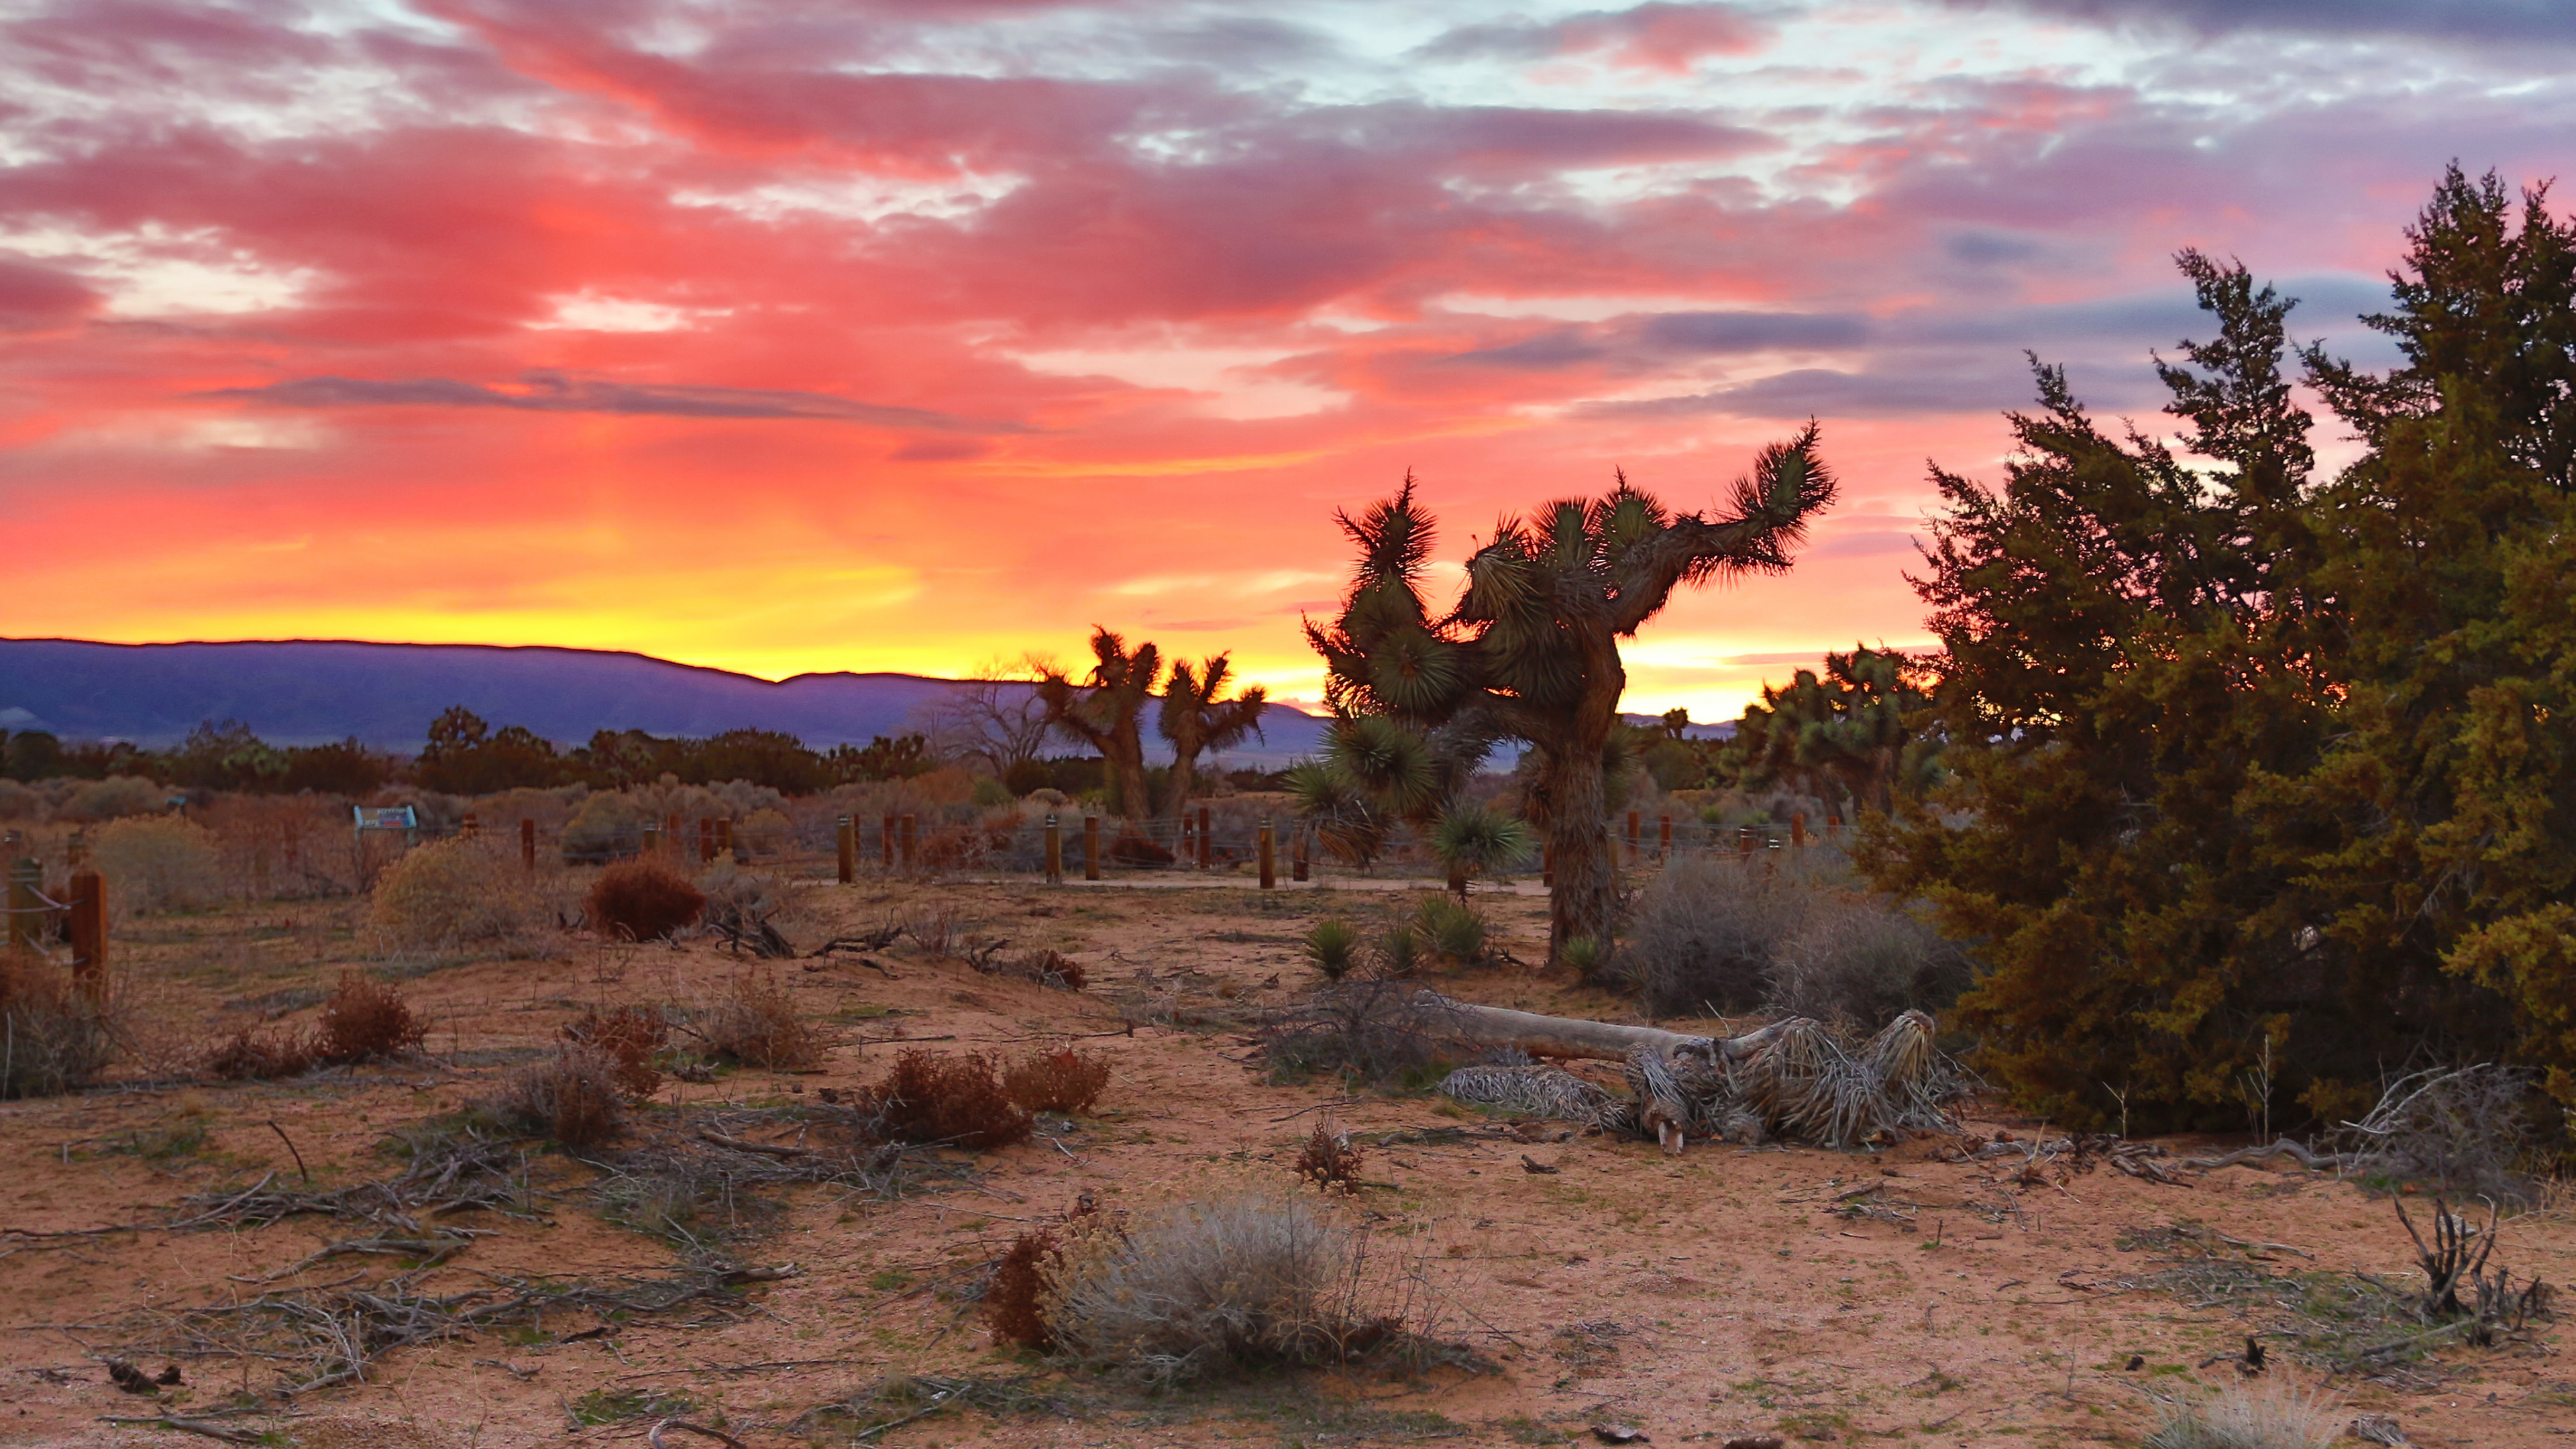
x: 1585, y: 899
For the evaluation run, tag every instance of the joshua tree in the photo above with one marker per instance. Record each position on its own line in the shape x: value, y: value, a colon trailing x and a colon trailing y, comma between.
x: 1104, y: 712
x: 1531, y: 652
x: 1843, y: 736
x: 1194, y: 719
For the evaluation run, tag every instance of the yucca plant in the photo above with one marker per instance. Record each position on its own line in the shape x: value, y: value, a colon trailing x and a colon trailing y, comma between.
x: 1105, y: 712
x: 1531, y: 650
x: 1479, y: 840
x: 1334, y: 946
x: 1195, y: 719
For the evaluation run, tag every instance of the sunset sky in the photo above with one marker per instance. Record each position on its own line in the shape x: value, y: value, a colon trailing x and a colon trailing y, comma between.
x: 907, y: 335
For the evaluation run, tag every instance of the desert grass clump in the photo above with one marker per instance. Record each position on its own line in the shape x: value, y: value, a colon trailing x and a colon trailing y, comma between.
x: 628, y: 1036
x: 641, y: 900
x: 1450, y: 929
x: 262, y: 1054
x: 54, y: 1038
x: 365, y: 1020
x: 1399, y: 950
x: 755, y: 1022
x: 2269, y: 1414
x: 1014, y: 1299
x: 1058, y: 1081
x: 572, y: 1096
x: 448, y: 895
x: 956, y: 1101
x: 1259, y: 1277
x: 1047, y: 968
x: 1334, y: 946
x: 158, y: 863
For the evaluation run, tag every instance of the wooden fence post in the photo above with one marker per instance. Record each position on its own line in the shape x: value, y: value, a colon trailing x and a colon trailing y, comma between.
x: 652, y: 845
x: 88, y: 931
x: 1798, y: 830
x: 1744, y: 843
x: 528, y: 844
x: 1091, y: 847
x: 26, y: 918
x: 472, y: 828
x: 846, y: 837
x: 1663, y: 837
x: 724, y: 837
x: 1269, y: 862
x: 1204, y: 853
x: 1833, y: 826
x: 885, y: 843
x: 1632, y: 837
x: 1300, y: 866
x: 911, y: 836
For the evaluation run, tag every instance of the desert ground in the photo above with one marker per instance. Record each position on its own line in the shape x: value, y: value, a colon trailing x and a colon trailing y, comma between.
x: 1918, y: 1294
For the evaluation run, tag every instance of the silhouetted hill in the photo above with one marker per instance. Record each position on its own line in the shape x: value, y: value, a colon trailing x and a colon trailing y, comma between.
x: 310, y: 691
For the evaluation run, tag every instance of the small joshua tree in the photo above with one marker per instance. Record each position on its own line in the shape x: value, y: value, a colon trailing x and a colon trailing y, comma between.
x: 1106, y: 710
x: 1531, y: 651
x: 1195, y: 719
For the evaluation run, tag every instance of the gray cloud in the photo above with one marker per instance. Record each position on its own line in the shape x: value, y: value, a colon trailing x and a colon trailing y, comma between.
x: 1864, y: 545
x: 2480, y: 20
x: 1563, y: 347
x: 1824, y: 392
x: 1753, y: 331
x: 554, y: 392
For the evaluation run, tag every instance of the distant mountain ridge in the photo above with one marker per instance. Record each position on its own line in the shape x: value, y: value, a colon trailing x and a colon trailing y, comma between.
x: 314, y: 691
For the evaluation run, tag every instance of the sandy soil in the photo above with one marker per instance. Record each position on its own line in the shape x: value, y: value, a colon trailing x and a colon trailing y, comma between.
x: 1826, y: 1297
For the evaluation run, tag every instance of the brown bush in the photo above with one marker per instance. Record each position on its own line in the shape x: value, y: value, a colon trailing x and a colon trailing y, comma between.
x: 366, y: 1020
x: 1011, y: 1300
x: 929, y: 1098
x: 258, y: 1056
x: 755, y: 1021
x: 58, y: 1038
x: 628, y: 1036
x: 1057, y: 1081
x: 1133, y: 849
x: 1329, y: 1159
x: 641, y: 900
x: 572, y: 1096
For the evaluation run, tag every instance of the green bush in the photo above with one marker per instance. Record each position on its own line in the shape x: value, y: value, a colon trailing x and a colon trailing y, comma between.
x: 1333, y: 945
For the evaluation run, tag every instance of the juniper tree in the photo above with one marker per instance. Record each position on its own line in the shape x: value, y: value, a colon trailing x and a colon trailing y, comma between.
x: 1531, y: 650
x: 1196, y: 718
x: 1105, y: 712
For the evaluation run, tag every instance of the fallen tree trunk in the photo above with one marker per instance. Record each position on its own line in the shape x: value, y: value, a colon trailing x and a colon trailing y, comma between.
x: 1567, y: 1036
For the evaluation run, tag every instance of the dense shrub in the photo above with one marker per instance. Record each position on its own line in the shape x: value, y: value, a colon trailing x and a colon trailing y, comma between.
x: 1373, y: 1030
x: 156, y: 863
x: 57, y: 1038
x: 1057, y: 1081
x: 449, y: 895
x: 571, y: 1096
x: 2272, y: 1414
x: 641, y: 900
x: 930, y: 1098
x: 108, y: 799
x: 1704, y: 935
x: 366, y: 1020
x: 1252, y: 1279
x: 1450, y: 929
x: 607, y: 826
x: 755, y: 1022
x: 628, y: 1036
x: 1860, y: 961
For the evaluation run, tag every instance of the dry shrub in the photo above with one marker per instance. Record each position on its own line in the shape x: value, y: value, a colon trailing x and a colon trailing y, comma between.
x: 279, y: 847
x: 366, y: 1020
x: 1863, y: 962
x: 1046, y: 968
x: 641, y: 900
x: 2271, y: 1414
x: 628, y: 1036
x: 112, y: 797
x: 156, y: 863
x: 1328, y: 1158
x: 1705, y: 934
x: 1057, y: 1081
x: 53, y: 1038
x: 449, y: 895
x: 1013, y: 1301
x: 755, y: 1021
x: 1133, y: 849
x: 572, y: 1096
x: 250, y: 1055
x: 1372, y: 1030
x: 2463, y: 1129
x: 930, y: 1098
x: 1255, y: 1278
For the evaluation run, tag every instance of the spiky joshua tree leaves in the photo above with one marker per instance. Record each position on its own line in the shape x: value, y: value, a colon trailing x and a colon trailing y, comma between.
x: 1105, y: 712
x: 1531, y: 651
x: 1196, y: 718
